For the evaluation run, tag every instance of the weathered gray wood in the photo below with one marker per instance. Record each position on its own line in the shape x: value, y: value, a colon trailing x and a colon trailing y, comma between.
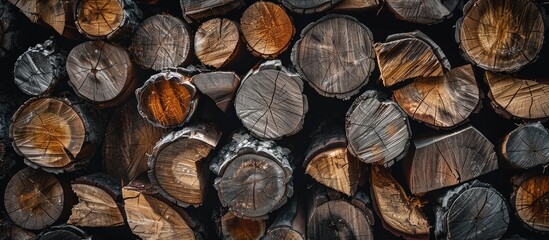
x: 308, y: 7
x: 107, y: 19
x: 422, y: 11
x: 161, y: 41
x: 217, y: 42
x: 527, y: 146
x: 253, y: 177
x: 377, y: 129
x: 195, y: 10
x: 529, y: 200
x: 344, y: 63
x: 270, y: 102
x: 289, y: 223
x: 448, y: 159
x: 65, y: 232
x: 471, y: 211
x: 219, y: 86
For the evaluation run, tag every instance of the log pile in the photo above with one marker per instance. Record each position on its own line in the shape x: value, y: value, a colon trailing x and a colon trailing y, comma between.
x: 274, y: 119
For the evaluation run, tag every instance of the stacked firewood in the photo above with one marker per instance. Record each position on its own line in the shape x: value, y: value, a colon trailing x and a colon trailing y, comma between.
x: 288, y: 119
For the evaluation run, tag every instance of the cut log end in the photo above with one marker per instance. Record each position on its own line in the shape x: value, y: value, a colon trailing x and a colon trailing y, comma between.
x: 200, y: 10
x: 217, y: 42
x: 309, y: 7
x: 527, y: 146
x: 422, y: 11
x: 531, y: 200
x: 106, y: 19
x: 234, y: 228
x: 219, y: 86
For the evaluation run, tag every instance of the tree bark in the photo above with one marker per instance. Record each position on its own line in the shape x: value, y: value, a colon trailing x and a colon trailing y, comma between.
x: 493, y: 44
x: 107, y: 19
x: 344, y: 64
x: 217, y: 42
x: 253, y: 177
x: 270, y: 101
x: 527, y: 146
x: 267, y: 29
x: 234, y: 228
x: 65, y: 232
x: 56, y: 134
x: 530, y: 200
x: 377, y: 129
x: 356, y: 5
x: 161, y: 41
x: 289, y: 223
x: 448, y: 159
x: 471, y: 211
x: 196, y: 10
x: 422, y: 11
x: 309, y: 7
x: 101, y: 73
x: 219, y: 86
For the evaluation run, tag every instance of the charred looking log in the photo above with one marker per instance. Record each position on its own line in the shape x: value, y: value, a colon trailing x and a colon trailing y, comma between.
x: 196, y: 10
x: 530, y: 200
x: 344, y: 64
x: 219, y: 86
x: 501, y: 36
x: 253, y: 177
x: 308, y: 7
x: 217, y: 42
x: 422, y: 11
x: 65, y: 232
x: 527, y: 146
x: 289, y: 222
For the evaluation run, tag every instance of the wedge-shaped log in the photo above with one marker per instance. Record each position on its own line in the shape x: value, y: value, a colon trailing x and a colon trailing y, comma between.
x: 219, y: 86
x: 56, y: 14
x: 308, y: 7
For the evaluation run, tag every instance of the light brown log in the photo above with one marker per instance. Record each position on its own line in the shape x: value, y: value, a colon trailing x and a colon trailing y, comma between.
x: 253, y: 177
x: 309, y: 7
x: 447, y: 159
x: 514, y: 97
x: 65, y: 232
x: 404, y: 56
x: 217, y: 42
x: 267, y: 29
x: 356, y: 5
x: 344, y: 62
x: 527, y: 146
x: 38, y: 70
x: 501, y: 36
x: 443, y: 102
x: 179, y: 164
x: 401, y: 214
x: 161, y: 41
x: 270, y: 101
x: 167, y: 99
x: 530, y: 200
x: 234, y: 228
x: 195, y: 10
x: 219, y: 86
x: 35, y: 199
x: 56, y: 134
x: 129, y: 140
x: 107, y: 19
x: 289, y: 223
x: 9, y: 32
x: 422, y: 11
x: 98, y: 197
x: 54, y: 13
x: 471, y: 211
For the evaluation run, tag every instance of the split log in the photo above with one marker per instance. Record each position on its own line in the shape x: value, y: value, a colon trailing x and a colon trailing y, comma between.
x: 217, y: 42
x: 102, y: 73
x: 334, y: 217
x: 530, y: 199
x: 9, y: 33
x: 448, y: 159
x: 65, y: 232
x: 377, y: 129
x: 253, y: 177
x: 98, y: 197
x: 35, y: 199
x: 405, y: 56
x: 500, y: 36
x: 107, y: 19
x: 421, y: 11
x: 54, y: 13
x: 400, y: 213
x: 443, y: 102
x: 10, y: 231
x: 129, y: 140
x: 472, y: 211
x: 527, y: 146
x: 219, y: 86
x: 518, y: 98
x: 328, y: 161
x: 40, y: 69
x: 199, y: 9
x: 160, y: 42
x: 308, y: 7
x: 179, y: 164
x: 356, y: 5
x: 289, y: 223
x: 344, y: 62
x: 270, y: 101
x: 152, y: 218
x: 234, y: 228
x: 267, y: 29
x: 56, y: 134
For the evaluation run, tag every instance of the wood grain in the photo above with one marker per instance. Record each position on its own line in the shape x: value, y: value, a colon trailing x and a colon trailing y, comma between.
x: 219, y: 86
x: 217, y: 42
x: 203, y: 9
x: 527, y: 146
x: 107, y: 19
x: 530, y: 199
x: 422, y: 11
x: 308, y: 7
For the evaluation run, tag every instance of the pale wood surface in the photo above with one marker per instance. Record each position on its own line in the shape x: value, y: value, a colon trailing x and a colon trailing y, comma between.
x: 422, y: 11
x: 527, y: 146
x: 217, y: 42
x: 54, y: 13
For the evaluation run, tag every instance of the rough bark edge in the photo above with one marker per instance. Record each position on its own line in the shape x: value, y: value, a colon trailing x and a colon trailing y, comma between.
x: 318, y: 9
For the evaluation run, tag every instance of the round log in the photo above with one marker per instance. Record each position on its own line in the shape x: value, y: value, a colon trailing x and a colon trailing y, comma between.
x: 179, y: 164
x: 267, y: 29
x: 161, y: 41
x: 443, y: 102
x: 219, y: 86
x: 101, y: 73
x: 234, y: 228
x: 501, y: 36
x: 308, y: 7
x: 65, y: 232
x: 167, y: 99
x: 56, y: 134
x: 198, y: 9
x: 377, y: 129
x: 217, y: 42
x: 422, y: 11
x: 289, y: 223
x: 129, y: 140
x: 270, y: 101
x: 40, y: 69
x: 56, y: 14
x: 107, y: 19
x: 9, y: 33
x: 530, y: 200
x: 344, y: 62
x: 527, y: 146
x: 405, y: 56
x: 518, y: 98
x: 35, y: 199
x: 472, y: 211
x: 253, y: 177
